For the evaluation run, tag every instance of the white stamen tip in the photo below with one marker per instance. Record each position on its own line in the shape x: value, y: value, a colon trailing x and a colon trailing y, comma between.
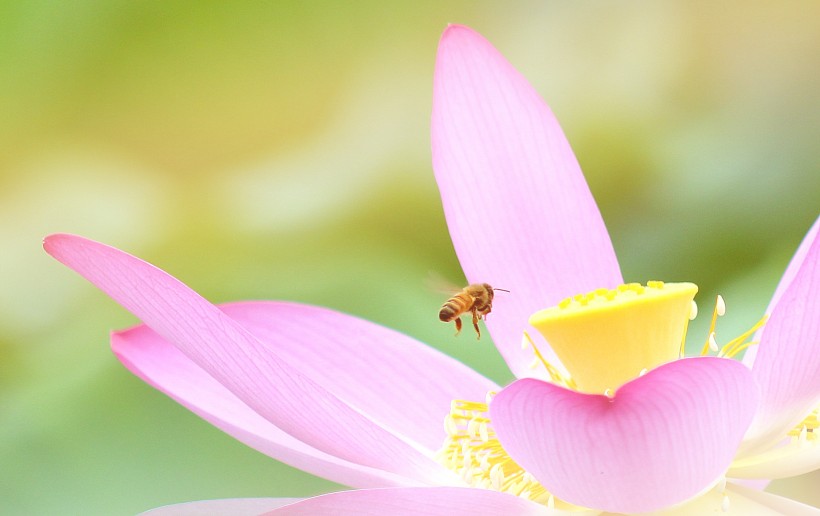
x: 720, y: 306
x: 525, y: 342
x: 551, y: 502
x: 724, y: 505
x: 693, y: 311
x: 608, y: 393
x: 643, y: 372
x: 712, y: 342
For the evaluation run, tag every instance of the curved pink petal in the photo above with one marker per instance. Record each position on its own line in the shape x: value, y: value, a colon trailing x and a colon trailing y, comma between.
x: 785, y: 281
x: 237, y: 360
x: 787, y: 365
x: 402, y: 384
x: 161, y: 365
x: 370, y: 367
x: 223, y: 507
x: 412, y: 501
x: 663, y: 438
x: 519, y: 210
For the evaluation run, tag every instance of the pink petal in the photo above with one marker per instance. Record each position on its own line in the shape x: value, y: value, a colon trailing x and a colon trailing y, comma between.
x: 224, y: 507
x: 395, y: 380
x: 519, y: 210
x: 388, y: 376
x: 663, y: 438
x: 787, y: 366
x: 237, y: 360
x: 410, y: 501
x: 786, y: 280
x: 164, y: 367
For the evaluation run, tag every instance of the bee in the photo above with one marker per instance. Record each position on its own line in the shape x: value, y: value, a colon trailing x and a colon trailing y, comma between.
x: 476, y: 298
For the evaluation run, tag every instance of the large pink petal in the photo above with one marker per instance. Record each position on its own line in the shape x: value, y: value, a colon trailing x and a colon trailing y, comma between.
x: 409, y: 501
x: 161, y: 365
x: 520, y: 213
x: 663, y: 438
x: 787, y: 366
x: 395, y: 380
x: 237, y: 360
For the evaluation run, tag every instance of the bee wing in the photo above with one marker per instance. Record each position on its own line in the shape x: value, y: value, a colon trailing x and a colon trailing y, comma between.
x: 435, y: 282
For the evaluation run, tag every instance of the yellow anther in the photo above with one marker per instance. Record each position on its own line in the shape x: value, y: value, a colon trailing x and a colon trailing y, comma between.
x: 807, y: 430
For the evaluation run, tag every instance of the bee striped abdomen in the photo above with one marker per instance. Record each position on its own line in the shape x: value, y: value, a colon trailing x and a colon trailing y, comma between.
x: 454, y: 307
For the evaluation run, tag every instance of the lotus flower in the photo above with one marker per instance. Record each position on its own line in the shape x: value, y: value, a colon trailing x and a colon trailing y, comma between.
x: 609, y: 419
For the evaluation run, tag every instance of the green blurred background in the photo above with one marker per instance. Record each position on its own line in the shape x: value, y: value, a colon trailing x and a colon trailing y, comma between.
x: 280, y: 150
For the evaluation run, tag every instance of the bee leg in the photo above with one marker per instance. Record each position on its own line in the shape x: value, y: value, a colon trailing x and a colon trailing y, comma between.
x: 458, y: 325
x: 476, y: 317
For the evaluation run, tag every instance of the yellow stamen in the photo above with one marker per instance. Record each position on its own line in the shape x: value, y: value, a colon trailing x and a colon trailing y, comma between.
x: 738, y: 344
x: 693, y: 312
x: 556, y: 376
x: 472, y: 450
x: 606, y: 337
x: 808, y: 430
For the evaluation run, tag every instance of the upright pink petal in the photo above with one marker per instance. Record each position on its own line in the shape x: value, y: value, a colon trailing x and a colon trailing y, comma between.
x: 787, y: 366
x: 520, y: 213
x: 785, y: 281
x: 410, y: 501
x: 161, y: 365
x: 662, y: 439
x: 237, y: 360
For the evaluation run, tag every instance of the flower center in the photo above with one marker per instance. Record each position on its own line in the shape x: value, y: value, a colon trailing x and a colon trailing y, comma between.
x: 604, y: 338
x: 607, y: 337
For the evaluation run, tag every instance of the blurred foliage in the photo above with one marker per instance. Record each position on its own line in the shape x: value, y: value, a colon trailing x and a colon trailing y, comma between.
x: 281, y: 150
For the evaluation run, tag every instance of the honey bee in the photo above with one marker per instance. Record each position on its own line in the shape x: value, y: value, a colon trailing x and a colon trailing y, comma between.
x: 476, y: 298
